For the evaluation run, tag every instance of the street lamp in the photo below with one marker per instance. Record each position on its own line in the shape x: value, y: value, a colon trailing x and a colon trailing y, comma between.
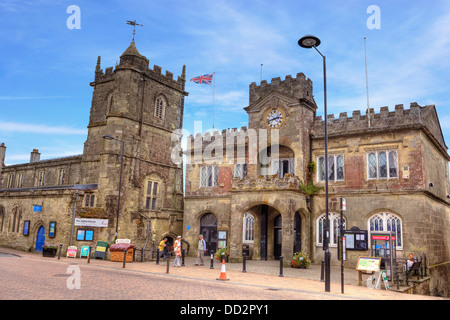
x: 109, y: 137
x: 309, y: 42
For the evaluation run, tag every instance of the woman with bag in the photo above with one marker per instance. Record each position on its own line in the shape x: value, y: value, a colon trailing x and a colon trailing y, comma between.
x: 177, y: 251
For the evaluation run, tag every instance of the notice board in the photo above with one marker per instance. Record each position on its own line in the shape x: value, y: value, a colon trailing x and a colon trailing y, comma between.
x: 356, y: 240
x: 368, y: 264
x: 100, y: 250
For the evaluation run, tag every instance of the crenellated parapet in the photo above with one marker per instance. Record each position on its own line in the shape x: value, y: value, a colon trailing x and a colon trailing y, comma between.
x: 298, y: 87
x: 416, y: 117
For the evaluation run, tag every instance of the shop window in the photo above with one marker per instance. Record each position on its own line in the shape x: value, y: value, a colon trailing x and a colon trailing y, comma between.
x: 85, y: 235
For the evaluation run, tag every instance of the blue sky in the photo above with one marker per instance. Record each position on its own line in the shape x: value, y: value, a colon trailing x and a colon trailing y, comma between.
x: 46, y: 68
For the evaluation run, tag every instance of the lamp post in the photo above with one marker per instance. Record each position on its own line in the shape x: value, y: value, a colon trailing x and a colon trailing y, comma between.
x: 109, y: 137
x: 309, y: 42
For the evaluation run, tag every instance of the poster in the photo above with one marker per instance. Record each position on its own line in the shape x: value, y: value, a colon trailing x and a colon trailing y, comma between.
x: 72, y: 252
x: 84, y: 251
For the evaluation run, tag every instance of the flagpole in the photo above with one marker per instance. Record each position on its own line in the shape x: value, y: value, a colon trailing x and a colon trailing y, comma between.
x: 367, y: 84
x: 214, y: 93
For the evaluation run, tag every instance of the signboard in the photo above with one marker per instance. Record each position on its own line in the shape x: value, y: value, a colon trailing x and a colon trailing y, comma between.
x: 356, y: 240
x: 368, y: 264
x: 84, y: 251
x: 52, y: 229
x: 91, y: 222
x: 72, y: 252
x: 222, y: 237
x: 385, y: 279
x: 100, y: 250
x: 37, y: 208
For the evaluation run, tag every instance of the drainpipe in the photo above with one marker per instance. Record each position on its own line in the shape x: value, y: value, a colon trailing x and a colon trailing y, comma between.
x: 73, y: 218
x: 311, y: 220
x: 145, y: 245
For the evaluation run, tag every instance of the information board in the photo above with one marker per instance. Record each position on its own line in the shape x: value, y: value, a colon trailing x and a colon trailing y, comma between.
x: 368, y: 264
x: 356, y: 240
x: 72, y: 252
x: 84, y: 251
x: 100, y: 250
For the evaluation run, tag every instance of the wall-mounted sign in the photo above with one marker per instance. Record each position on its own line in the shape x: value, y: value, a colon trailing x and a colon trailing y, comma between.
x: 356, y: 240
x: 37, y: 208
x: 91, y: 222
x: 26, y: 227
x: 52, y: 229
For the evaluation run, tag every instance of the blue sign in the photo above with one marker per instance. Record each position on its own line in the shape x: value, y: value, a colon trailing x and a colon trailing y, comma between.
x: 37, y: 208
x: 188, y: 227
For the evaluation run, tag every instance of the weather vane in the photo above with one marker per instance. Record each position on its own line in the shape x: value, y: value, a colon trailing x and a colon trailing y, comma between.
x: 134, y: 24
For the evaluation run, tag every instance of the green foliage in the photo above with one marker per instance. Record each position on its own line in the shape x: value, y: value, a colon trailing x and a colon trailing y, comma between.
x: 309, y: 189
x: 300, y: 260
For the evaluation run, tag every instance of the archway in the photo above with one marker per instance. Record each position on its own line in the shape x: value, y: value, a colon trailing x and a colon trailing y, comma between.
x: 208, y: 228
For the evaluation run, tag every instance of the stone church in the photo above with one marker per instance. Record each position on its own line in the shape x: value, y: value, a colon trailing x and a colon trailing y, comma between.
x: 244, y: 188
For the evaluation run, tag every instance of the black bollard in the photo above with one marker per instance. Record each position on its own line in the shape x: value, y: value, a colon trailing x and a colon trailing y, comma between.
x: 281, y: 266
x: 89, y: 255
x: 60, y: 248
x: 322, y: 271
x: 182, y: 257
x: 425, y: 264
x: 212, y: 260
x: 124, y: 257
x: 168, y: 264
x: 157, y: 256
x: 244, y: 267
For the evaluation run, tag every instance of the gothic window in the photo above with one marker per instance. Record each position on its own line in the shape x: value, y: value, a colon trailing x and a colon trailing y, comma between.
x: 109, y: 103
x: 2, y: 218
x: 334, y: 228
x: 209, y: 176
x: 152, y: 195
x: 19, y: 182
x: 335, y: 168
x: 248, y: 228
x: 10, y: 181
x: 160, y: 108
x: 387, y: 222
x: 16, y: 217
x: 41, y: 178
x: 382, y: 164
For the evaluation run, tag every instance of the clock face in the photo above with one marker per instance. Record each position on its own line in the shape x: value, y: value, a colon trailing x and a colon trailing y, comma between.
x: 274, y: 118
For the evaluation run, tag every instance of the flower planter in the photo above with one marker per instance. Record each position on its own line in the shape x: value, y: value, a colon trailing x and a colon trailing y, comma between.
x: 49, y: 252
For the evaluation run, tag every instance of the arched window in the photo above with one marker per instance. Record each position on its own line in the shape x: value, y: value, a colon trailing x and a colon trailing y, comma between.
x: 386, y: 221
x: 2, y: 218
x: 16, y: 217
x: 160, y: 108
x: 248, y: 228
x: 334, y: 228
x: 109, y: 103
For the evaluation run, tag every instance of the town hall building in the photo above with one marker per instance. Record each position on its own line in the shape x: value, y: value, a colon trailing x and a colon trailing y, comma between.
x: 262, y: 199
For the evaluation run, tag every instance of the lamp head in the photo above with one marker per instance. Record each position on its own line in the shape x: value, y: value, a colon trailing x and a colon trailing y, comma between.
x: 309, y: 41
x: 108, y: 137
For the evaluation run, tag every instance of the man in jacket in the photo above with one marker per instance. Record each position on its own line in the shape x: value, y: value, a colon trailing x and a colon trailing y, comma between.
x: 201, y: 248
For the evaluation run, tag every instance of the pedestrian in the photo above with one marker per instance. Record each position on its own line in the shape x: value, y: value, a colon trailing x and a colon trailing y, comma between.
x: 201, y: 248
x: 411, y: 260
x: 163, y: 248
x: 177, y: 251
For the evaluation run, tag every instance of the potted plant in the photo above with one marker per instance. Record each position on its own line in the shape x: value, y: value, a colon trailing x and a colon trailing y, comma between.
x: 223, y: 254
x: 300, y: 260
x: 49, y: 250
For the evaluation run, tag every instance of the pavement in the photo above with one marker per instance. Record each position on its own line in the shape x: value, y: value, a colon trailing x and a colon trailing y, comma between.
x: 259, y: 275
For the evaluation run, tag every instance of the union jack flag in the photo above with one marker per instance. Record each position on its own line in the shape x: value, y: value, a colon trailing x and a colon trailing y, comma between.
x: 206, y: 78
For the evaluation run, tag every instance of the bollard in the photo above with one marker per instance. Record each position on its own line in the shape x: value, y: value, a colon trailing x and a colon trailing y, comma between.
x: 168, y: 264
x: 322, y: 271
x: 425, y: 264
x: 212, y: 260
x: 60, y: 248
x: 244, y: 267
x: 157, y: 256
x: 281, y: 266
x: 124, y: 257
x: 182, y: 257
x: 89, y: 255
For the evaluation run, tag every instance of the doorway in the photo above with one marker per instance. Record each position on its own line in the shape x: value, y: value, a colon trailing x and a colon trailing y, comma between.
x: 40, y: 239
x: 277, y: 237
x: 208, y: 228
x: 297, y: 233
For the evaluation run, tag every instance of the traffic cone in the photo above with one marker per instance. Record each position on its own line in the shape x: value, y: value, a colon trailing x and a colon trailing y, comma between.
x: 223, y: 273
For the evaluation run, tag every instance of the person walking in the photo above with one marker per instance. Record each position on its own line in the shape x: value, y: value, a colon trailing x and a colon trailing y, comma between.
x: 163, y: 248
x: 177, y: 252
x: 201, y: 248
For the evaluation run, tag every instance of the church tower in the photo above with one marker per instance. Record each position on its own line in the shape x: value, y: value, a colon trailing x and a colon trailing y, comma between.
x: 140, y: 108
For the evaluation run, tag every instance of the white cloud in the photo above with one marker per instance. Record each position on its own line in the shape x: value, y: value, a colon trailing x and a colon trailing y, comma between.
x: 39, y: 129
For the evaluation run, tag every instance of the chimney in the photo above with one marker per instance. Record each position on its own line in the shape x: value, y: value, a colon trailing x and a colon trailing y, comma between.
x: 2, y: 155
x: 35, y: 156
